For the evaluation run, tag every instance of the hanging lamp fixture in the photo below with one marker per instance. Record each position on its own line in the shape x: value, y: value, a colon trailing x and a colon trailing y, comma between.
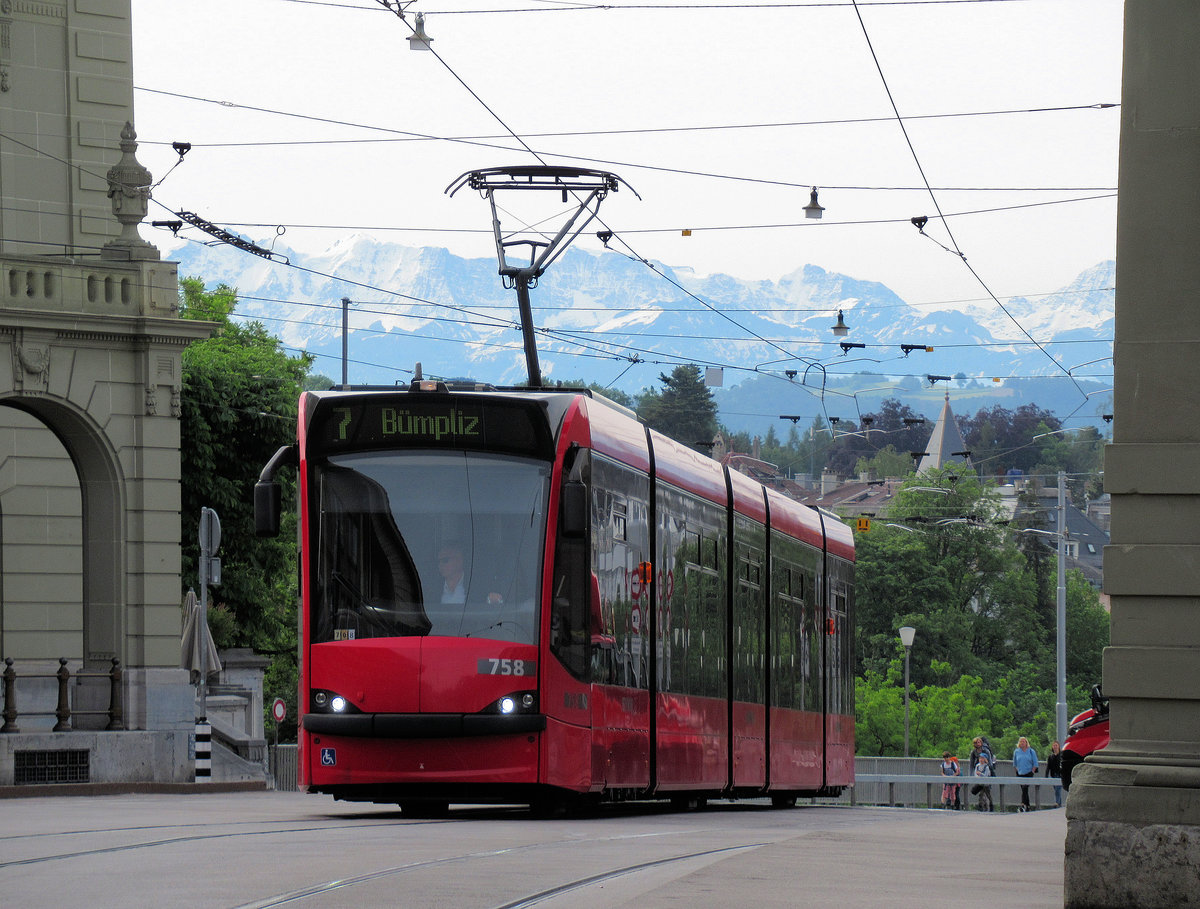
x: 813, y: 209
x: 419, y: 41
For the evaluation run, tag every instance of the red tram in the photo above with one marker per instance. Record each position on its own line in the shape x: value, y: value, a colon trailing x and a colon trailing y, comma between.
x: 528, y: 596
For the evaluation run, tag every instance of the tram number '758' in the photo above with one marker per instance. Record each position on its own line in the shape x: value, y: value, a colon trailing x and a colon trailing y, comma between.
x: 496, y: 666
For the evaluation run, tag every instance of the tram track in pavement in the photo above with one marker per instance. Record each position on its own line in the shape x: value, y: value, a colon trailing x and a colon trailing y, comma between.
x: 575, y: 888
x: 363, y: 821
x: 169, y: 840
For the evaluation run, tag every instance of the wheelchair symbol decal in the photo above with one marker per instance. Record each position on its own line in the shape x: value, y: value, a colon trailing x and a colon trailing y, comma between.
x: 328, y: 757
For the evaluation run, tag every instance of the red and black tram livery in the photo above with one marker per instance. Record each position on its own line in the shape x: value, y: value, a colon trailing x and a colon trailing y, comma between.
x: 521, y: 596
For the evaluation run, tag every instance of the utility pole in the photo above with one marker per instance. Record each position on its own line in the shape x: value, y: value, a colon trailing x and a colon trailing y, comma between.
x: 345, y: 343
x: 1060, y: 706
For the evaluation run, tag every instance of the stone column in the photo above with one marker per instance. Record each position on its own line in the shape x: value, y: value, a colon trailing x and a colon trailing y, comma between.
x: 1133, y: 815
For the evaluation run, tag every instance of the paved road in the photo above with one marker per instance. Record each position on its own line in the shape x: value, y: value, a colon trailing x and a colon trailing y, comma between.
x: 259, y: 849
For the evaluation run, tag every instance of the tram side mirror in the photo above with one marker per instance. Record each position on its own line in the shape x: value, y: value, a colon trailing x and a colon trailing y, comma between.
x: 574, y: 510
x: 267, y: 506
x: 267, y: 495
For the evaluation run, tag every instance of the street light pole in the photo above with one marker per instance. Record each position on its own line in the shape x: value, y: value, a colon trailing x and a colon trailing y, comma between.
x: 345, y: 343
x: 1060, y: 706
x: 907, y: 634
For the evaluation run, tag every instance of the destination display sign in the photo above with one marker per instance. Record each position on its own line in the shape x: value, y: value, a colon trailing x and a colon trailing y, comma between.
x: 347, y: 422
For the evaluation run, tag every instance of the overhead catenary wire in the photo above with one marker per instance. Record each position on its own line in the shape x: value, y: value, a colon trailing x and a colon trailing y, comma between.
x: 933, y: 197
x: 398, y: 135
x: 399, y: 12
x: 607, y: 7
x: 789, y: 225
x: 629, y: 232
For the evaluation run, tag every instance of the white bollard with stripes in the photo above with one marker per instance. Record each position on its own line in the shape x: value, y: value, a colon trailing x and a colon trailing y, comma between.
x: 203, y: 751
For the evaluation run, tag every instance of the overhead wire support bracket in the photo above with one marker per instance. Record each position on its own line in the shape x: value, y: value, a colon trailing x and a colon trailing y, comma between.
x: 589, y: 187
x: 226, y: 237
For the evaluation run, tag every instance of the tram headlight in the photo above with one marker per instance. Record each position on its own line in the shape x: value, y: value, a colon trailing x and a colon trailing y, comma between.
x: 322, y: 700
x: 516, y: 703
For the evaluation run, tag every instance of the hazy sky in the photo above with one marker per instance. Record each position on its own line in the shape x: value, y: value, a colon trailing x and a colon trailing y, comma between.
x: 722, y: 117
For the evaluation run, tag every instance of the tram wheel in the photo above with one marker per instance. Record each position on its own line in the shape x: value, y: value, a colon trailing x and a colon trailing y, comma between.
x: 688, y: 802
x: 783, y: 801
x: 548, y: 806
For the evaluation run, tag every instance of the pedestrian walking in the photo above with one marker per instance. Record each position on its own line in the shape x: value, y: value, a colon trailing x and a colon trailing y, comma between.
x: 1025, y: 763
x: 950, y: 790
x: 983, y: 768
x: 1054, y: 770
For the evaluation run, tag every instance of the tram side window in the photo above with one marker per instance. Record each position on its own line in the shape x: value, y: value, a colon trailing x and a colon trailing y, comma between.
x: 749, y: 630
x: 682, y: 675
x: 575, y: 621
x: 620, y: 541
x: 785, y: 646
x: 841, y: 687
x: 693, y: 618
x: 810, y: 638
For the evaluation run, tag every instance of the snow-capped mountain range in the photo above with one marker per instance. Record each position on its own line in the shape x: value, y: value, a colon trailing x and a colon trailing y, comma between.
x: 607, y: 318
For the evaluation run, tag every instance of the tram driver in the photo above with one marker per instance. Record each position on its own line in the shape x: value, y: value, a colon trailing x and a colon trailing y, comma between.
x: 452, y: 566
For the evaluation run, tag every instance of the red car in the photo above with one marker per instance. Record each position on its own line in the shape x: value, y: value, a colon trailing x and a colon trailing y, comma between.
x: 1086, y: 733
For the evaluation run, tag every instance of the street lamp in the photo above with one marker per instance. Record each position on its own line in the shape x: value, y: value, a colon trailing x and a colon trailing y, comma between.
x: 345, y: 343
x: 907, y: 634
x: 1060, y: 706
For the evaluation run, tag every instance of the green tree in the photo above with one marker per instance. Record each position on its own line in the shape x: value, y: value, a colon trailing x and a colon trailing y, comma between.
x: 684, y: 409
x: 1003, y: 439
x: 613, y: 394
x: 896, y: 581
x: 944, y: 715
x: 1088, y: 627
x: 887, y: 462
x: 238, y: 403
x: 940, y: 563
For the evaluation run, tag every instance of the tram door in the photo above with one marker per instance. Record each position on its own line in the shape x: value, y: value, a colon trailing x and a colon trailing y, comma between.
x: 620, y: 537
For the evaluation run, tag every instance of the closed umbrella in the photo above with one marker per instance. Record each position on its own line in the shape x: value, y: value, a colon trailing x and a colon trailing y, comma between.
x: 197, y: 641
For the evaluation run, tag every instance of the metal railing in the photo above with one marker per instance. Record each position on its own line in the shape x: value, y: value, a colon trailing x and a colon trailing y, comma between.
x: 63, y: 711
x: 283, y: 767
x: 899, y: 789
x: 933, y: 787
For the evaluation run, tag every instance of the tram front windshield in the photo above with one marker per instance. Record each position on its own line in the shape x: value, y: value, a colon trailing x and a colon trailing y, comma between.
x: 445, y: 543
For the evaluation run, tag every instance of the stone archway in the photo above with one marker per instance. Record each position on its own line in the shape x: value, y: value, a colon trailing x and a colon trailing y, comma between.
x: 92, y: 350
x: 73, y: 538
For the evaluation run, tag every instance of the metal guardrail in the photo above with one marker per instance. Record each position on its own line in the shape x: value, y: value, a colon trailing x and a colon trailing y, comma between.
x: 283, y: 766
x: 934, y: 783
x: 283, y: 762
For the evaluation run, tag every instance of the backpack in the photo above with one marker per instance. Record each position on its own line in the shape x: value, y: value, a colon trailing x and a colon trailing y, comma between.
x: 991, y: 759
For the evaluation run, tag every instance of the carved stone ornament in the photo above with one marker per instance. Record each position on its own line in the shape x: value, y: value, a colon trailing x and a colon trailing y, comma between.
x: 129, y: 189
x: 32, y: 367
x: 177, y: 401
x: 151, y: 400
